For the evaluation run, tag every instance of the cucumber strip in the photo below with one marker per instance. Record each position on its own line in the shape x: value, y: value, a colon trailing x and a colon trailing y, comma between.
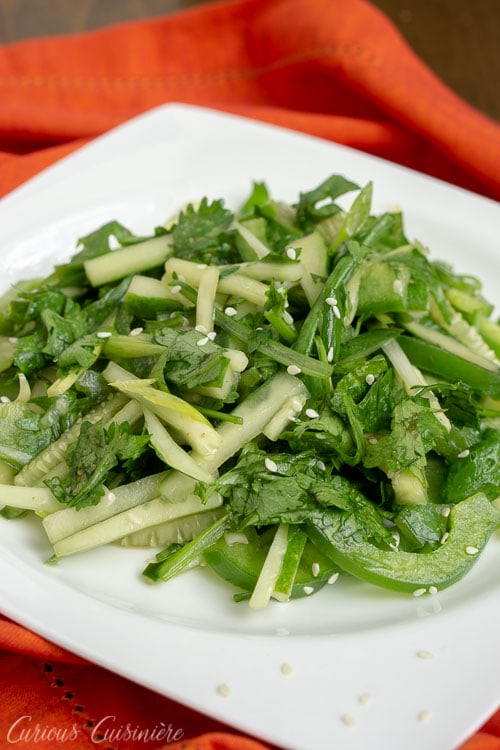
x: 129, y: 260
x: 285, y: 415
x: 40, y: 499
x: 255, y: 245
x: 180, y: 531
x: 283, y: 586
x: 146, y: 297
x: 68, y: 521
x: 194, y: 428
x: 205, y: 303
x: 256, y: 411
x: 412, y: 378
x: 291, y: 272
x: 171, y: 453
x: 55, y: 453
x: 148, y: 514
x: 269, y: 574
x: 234, y: 284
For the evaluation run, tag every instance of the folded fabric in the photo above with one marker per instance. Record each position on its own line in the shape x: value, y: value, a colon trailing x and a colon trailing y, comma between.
x: 337, y: 69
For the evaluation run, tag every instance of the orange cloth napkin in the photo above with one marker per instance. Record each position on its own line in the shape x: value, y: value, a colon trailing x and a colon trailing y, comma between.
x: 333, y: 68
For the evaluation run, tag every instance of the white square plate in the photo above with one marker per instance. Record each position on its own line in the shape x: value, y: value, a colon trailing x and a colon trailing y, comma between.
x: 185, y: 638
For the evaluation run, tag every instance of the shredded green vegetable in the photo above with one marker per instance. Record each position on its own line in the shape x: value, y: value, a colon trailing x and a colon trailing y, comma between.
x: 284, y: 393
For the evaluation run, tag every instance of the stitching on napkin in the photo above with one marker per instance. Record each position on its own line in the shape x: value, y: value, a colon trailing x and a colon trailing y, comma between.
x: 194, y: 78
x: 85, y: 721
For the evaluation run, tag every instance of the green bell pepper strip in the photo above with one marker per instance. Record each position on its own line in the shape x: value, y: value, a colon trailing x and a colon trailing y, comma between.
x: 240, y: 564
x: 471, y: 523
x: 432, y: 359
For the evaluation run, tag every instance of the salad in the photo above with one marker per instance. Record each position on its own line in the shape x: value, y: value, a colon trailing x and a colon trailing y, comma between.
x: 284, y: 393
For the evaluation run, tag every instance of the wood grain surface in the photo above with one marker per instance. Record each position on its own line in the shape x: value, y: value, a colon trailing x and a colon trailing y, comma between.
x: 459, y: 39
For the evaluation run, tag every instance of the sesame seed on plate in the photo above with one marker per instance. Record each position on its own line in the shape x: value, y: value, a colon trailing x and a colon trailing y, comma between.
x: 286, y: 669
x: 444, y: 538
x: 230, y: 311
x: 423, y: 654
x: 224, y: 690
x: 329, y: 356
x: 136, y: 331
x: 370, y: 379
x: 4, y: 399
x: 348, y: 720
x: 308, y: 590
x: 315, y: 569
x: 336, y: 312
x: 293, y: 370
x: 464, y: 453
x: 364, y: 698
x: 203, y: 341
x: 445, y: 512
x: 291, y: 253
x: 332, y: 301
x: 333, y: 578
x: 288, y: 318
x: 103, y: 334
x: 424, y: 716
x: 211, y: 335
x: 433, y: 590
x: 176, y: 289
x: 419, y: 592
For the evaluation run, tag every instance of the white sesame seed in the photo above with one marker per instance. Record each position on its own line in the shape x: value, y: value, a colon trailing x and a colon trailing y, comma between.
x: 419, y: 592
x: 364, y: 698
x: 297, y: 405
x: 308, y: 590
x: 230, y: 311
x: 424, y: 716
x: 348, y: 720
x: 288, y: 318
x: 397, y: 287
x: 444, y: 538
x: 315, y: 569
x: 103, y: 334
x: 471, y: 550
x: 136, y: 331
x: 286, y: 669
x: 423, y: 654
x: 333, y: 578
x: 291, y: 253
x: 271, y: 465
x: 336, y: 312
x: 293, y: 370
x: 13, y: 339
x: 464, y: 453
x: 433, y: 590
x: 312, y: 413
x: 176, y: 289
x: 372, y: 441
x: 332, y: 301
x: 370, y: 379
x: 321, y: 465
x: 320, y: 436
x: 200, y: 328
x: 5, y: 399
x: 329, y: 356
x: 211, y: 335
x: 224, y: 690
x: 203, y: 341
x: 445, y: 512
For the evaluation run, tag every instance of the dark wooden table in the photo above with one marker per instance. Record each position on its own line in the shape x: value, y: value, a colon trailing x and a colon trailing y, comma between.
x: 459, y: 39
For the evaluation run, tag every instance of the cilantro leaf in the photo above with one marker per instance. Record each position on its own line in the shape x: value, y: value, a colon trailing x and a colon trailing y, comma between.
x: 200, y: 233
x: 96, y: 452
